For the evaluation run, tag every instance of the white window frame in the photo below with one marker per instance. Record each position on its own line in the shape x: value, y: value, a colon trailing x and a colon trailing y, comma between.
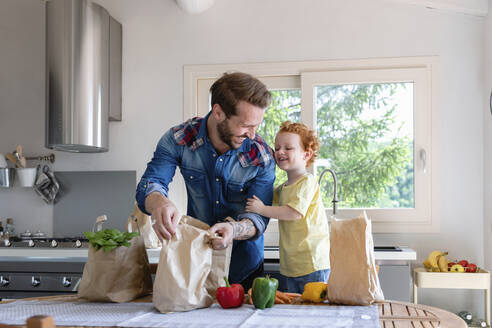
x: 423, y: 71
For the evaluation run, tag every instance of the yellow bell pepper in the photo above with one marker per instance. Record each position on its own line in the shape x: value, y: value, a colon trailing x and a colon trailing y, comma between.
x: 314, y: 292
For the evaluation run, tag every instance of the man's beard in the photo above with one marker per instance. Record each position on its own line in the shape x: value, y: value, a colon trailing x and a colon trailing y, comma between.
x: 226, y: 135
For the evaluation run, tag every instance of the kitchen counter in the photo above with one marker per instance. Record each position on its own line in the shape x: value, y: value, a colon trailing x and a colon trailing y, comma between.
x: 57, y: 255
x: 406, y: 254
x: 80, y: 254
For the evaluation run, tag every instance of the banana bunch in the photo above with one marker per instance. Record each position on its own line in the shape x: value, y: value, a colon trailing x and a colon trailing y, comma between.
x: 437, y: 261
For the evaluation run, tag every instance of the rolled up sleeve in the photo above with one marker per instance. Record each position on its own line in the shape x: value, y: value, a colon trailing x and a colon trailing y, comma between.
x: 160, y: 170
x: 262, y: 187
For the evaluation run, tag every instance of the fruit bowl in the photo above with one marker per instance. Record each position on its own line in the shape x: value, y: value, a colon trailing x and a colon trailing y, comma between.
x: 471, y: 280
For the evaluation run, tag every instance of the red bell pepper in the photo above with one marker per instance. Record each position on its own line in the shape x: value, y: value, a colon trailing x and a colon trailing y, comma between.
x: 230, y: 296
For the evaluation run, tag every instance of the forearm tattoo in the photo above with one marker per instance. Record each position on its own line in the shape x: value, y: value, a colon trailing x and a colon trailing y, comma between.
x: 243, y: 229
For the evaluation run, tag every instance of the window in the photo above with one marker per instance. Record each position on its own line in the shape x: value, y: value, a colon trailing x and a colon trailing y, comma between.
x: 366, y: 135
x: 377, y: 125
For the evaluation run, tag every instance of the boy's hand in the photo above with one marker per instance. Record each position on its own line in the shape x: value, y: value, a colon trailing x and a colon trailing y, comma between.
x: 254, y: 205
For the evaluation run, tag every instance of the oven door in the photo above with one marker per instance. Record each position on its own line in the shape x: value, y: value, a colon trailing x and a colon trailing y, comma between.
x: 21, y: 284
x: 20, y: 279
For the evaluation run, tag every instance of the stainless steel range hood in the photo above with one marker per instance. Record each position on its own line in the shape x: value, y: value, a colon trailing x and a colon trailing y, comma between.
x: 83, y: 75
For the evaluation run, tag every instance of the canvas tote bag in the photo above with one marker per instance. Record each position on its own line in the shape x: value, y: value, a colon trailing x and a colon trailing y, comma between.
x: 120, y: 275
x: 353, y: 277
x: 189, y: 270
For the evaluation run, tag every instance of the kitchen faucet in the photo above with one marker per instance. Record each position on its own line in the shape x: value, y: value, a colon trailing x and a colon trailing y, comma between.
x: 335, y: 200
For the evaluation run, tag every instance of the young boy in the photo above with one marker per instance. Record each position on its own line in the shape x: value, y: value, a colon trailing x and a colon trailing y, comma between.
x: 304, y: 232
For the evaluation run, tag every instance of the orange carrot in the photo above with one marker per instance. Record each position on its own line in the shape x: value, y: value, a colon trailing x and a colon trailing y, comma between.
x: 278, y: 300
x: 286, y: 298
x: 280, y: 297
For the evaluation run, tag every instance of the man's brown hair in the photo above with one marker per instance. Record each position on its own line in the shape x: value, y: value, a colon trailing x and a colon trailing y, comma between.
x: 234, y: 87
x: 309, y: 140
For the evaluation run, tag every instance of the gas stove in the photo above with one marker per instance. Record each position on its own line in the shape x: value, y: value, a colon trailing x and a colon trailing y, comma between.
x: 37, y: 273
x: 45, y: 242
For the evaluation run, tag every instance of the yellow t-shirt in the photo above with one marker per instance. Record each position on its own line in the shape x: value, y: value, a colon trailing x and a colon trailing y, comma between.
x: 304, y: 243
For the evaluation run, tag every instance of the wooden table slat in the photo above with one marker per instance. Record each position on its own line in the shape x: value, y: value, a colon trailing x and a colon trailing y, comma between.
x: 384, y: 309
x: 413, y: 311
x: 401, y: 324
x: 430, y: 325
x: 421, y: 312
x: 399, y: 310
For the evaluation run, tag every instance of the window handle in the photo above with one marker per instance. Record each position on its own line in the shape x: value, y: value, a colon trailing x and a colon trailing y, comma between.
x: 423, y: 158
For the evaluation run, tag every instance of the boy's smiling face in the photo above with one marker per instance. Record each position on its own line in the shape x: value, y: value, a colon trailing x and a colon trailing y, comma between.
x: 289, y: 153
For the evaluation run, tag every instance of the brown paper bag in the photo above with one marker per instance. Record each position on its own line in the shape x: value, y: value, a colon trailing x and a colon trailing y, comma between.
x: 120, y: 275
x: 353, y: 278
x: 189, y: 270
x: 139, y: 221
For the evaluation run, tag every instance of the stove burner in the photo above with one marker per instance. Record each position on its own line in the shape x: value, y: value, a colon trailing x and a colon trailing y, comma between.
x: 63, y: 242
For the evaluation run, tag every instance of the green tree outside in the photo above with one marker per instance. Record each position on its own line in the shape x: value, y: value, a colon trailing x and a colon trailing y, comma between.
x: 359, y: 140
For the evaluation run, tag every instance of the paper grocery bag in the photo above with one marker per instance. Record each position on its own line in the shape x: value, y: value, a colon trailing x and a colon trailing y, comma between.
x: 120, y: 275
x: 189, y: 270
x: 353, y: 277
x: 139, y: 221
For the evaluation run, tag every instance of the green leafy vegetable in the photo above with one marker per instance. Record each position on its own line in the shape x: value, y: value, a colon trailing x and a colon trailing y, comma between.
x: 109, y: 239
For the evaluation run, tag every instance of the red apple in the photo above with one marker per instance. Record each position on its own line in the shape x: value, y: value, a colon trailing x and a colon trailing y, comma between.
x: 471, y: 267
x: 463, y: 263
x: 450, y: 264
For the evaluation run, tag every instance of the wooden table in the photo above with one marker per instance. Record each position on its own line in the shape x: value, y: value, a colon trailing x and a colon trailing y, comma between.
x: 391, y: 314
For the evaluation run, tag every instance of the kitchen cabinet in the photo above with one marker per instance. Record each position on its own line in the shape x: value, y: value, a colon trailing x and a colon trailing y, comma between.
x: 394, y: 270
x: 394, y: 275
x: 395, y: 280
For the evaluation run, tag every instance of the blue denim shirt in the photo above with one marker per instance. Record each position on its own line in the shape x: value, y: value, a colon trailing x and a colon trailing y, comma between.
x: 217, y: 185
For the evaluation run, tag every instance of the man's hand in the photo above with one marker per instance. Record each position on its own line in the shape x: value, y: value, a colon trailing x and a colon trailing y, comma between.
x: 165, y: 215
x: 242, y: 230
x: 255, y: 205
x: 225, y: 231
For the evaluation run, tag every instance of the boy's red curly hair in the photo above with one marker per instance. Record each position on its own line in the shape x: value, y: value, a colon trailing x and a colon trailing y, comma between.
x: 309, y: 140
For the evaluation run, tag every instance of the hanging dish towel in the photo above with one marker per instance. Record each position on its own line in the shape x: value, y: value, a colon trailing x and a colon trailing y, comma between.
x: 46, y: 185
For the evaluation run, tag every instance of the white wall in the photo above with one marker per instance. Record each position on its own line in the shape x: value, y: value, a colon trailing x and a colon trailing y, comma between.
x: 22, y: 89
x: 159, y: 39
x: 487, y: 119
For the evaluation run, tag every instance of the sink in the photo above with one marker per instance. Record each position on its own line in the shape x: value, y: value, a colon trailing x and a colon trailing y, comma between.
x: 387, y: 249
x: 376, y: 248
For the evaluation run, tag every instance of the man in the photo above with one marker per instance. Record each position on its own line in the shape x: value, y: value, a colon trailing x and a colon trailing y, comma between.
x: 223, y: 162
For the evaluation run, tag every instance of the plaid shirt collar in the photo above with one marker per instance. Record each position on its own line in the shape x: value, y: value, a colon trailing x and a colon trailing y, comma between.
x: 191, y: 133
